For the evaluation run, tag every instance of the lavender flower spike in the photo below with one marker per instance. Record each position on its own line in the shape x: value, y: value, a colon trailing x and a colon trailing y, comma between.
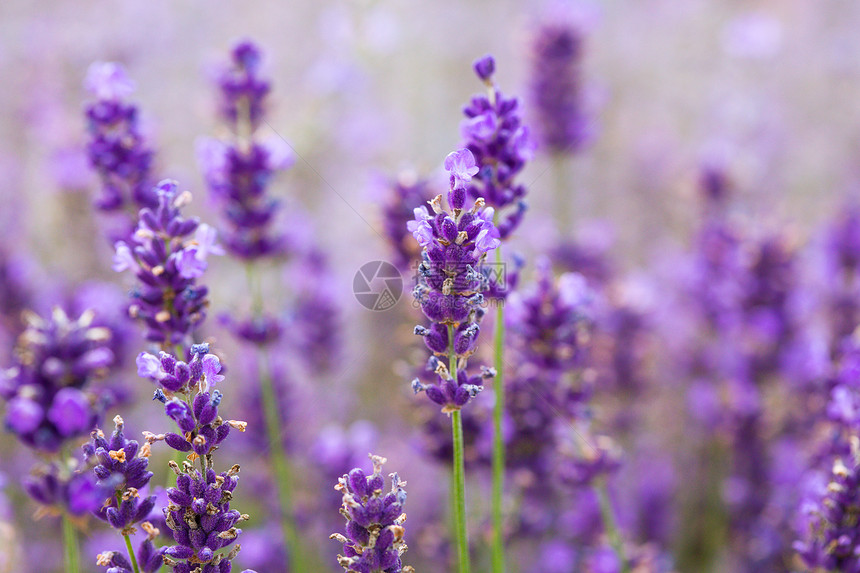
x: 117, y: 150
x: 455, y: 243
x: 167, y: 253
x: 199, y: 513
x: 374, y: 522
x: 501, y: 145
x: 239, y: 170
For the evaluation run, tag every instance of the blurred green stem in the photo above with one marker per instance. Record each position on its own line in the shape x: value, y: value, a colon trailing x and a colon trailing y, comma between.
x: 498, y: 549
x: 70, y: 546
x: 609, y: 525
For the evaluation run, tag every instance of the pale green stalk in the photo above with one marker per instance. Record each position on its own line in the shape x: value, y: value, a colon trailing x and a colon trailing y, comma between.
x: 459, y: 483
x: 70, y: 546
x: 609, y: 524
x: 498, y: 548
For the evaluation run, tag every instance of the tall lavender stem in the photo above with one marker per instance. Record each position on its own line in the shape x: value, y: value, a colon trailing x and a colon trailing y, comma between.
x: 498, y: 549
x: 607, y: 514
x: 459, y: 484
x: 283, y: 479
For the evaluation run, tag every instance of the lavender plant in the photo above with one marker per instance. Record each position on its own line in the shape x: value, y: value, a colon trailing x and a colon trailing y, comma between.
x: 494, y: 133
x: 199, y: 513
x: 238, y: 172
x: 454, y: 243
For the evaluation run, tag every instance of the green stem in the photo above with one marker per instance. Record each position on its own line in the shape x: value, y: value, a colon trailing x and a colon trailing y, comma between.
x: 498, y: 548
x: 459, y: 493
x: 131, y: 554
x: 132, y: 557
x: 609, y: 524
x: 70, y: 546
x: 282, y: 475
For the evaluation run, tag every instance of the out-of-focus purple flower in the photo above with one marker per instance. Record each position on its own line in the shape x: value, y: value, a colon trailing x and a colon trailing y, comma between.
x: 167, y: 261
x: 117, y: 150
x: 374, y: 521
x: 399, y: 209
x: 78, y: 492
x: 238, y: 172
x: 501, y: 146
x: 564, y: 125
x: 47, y: 389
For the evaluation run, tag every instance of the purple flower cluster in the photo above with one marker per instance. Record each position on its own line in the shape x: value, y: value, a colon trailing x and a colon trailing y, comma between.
x: 239, y: 171
x: 199, y: 513
x: 202, y: 522
x: 550, y: 327
x: 115, y: 462
x: 830, y: 540
x: 374, y: 522
x: 75, y: 492
x: 167, y: 253
x: 122, y: 466
x: 557, y: 86
x: 454, y: 243
x: 117, y: 150
x: 47, y: 389
x: 501, y: 145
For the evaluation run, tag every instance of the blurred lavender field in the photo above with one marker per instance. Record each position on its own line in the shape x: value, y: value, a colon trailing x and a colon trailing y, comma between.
x: 681, y: 295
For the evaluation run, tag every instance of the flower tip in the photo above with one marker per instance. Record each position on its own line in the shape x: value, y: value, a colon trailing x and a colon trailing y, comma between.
x: 485, y: 67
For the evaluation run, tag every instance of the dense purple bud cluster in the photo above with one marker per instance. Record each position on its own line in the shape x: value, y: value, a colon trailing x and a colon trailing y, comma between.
x: 117, y: 150
x: 167, y: 253
x: 830, y: 539
x: 501, y: 145
x: 47, y: 389
x: 201, y: 520
x: 557, y: 86
x: 199, y: 513
x: 450, y: 281
x: 374, y: 522
x: 238, y: 171
x: 121, y: 466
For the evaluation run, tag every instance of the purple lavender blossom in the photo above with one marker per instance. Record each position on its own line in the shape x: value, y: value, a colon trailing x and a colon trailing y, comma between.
x: 116, y: 462
x: 501, y: 146
x: 202, y: 522
x: 117, y: 150
x: 454, y: 245
x: 167, y: 253
x: 831, y: 540
x: 47, y: 389
x: 374, y: 522
x: 121, y: 466
x: 199, y: 513
x: 239, y: 171
x: 557, y: 86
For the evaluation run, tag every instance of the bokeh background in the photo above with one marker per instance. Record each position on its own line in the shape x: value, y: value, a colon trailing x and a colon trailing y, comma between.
x: 366, y: 91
